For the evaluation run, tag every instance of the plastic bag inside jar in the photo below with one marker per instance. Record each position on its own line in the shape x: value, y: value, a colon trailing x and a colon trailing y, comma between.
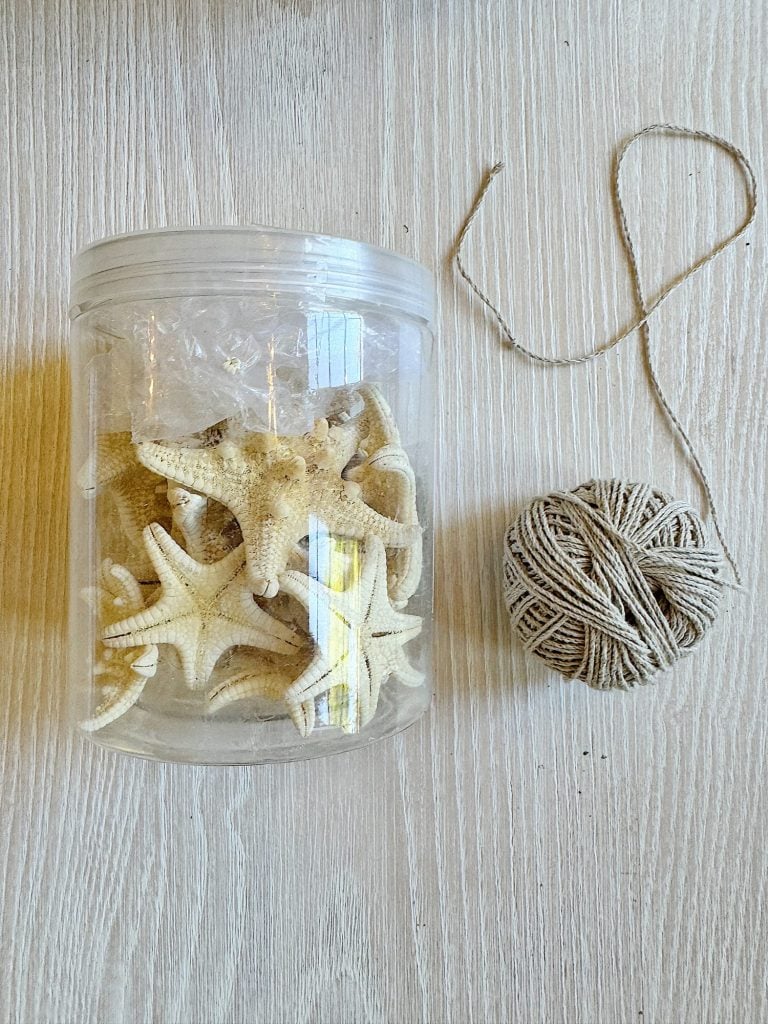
x: 177, y: 367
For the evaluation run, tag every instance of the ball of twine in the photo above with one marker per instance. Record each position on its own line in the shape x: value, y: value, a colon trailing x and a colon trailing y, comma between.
x: 611, y: 582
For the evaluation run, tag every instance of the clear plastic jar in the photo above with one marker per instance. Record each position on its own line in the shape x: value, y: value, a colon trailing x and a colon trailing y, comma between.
x: 252, y: 479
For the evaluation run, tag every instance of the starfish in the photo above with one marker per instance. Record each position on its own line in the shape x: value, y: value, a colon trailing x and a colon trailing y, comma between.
x: 389, y: 485
x: 202, y: 610
x: 112, y: 465
x: 275, y: 487
x: 123, y: 673
x: 377, y: 420
x: 330, y: 559
x: 359, y: 640
x: 208, y: 529
x: 270, y: 683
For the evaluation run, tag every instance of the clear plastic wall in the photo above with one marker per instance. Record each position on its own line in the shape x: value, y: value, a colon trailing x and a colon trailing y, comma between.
x: 252, y: 477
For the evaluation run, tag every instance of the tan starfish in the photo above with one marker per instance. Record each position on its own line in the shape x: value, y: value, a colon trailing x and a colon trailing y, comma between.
x: 208, y: 530
x: 376, y: 422
x: 277, y: 487
x: 389, y: 485
x: 359, y: 640
x: 202, y: 610
x: 136, y: 491
x: 122, y: 674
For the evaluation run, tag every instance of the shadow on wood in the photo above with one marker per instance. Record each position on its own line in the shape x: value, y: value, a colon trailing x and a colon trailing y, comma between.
x: 34, y: 455
x: 475, y: 645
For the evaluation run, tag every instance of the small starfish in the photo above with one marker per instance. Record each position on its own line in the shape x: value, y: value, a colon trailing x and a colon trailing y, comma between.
x: 123, y: 673
x: 274, y: 486
x: 389, y: 485
x: 112, y: 465
x: 202, y: 610
x: 359, y: 638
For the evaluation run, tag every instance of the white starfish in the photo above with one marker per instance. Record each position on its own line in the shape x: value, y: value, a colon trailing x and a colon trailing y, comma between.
x: 359, y: 638
x: 389, y: 485
x: 122, y: 674
x: 376, y: 420
x: 137, y: 492
x: 274, y: 486
x: 202, y: 610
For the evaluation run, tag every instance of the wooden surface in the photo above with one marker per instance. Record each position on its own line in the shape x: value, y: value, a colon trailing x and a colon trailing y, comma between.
x: 532, y: 851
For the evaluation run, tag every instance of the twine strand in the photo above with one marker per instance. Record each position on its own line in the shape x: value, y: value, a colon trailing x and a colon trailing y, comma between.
x: 646, y: 311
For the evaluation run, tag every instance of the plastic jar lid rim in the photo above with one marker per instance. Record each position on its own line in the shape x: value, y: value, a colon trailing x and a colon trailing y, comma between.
x: 225, y: 260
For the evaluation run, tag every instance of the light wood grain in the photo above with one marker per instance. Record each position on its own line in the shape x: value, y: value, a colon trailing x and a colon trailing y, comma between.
x: 532, y: 851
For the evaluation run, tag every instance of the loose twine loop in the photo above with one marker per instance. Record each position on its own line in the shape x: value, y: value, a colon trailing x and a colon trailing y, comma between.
x: 645, y: 310
x: 614, y: 581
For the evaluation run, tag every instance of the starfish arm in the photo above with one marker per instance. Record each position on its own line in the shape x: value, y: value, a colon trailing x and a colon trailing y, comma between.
x: 157, y: 624
x: 212, y: 642
x: 122, y: 585
x: 344, y: 441
x: 380, y: 608
x: 356, y: 519
x: 304, y: 588
x: 375, y: 573
x: 268, y: 545
x: 125, y: 677
x: 389, y: 486
x: 404, y: 672
x: 402, y: 631
x: 271, y: 685
x: 124, y: 673
x: 315, y: 596
x: 388, y: 659
x: 390, y: 458
x: 190, y: 655
x: 145, y: 662
x: 243, y: 609
x: 175, y: 568
x: 364, y: 696
x: 224, y: 633
x: 316, y: 678
x: 136, y: 496
x: 151, y: 536
x: 197, y: 468
x: 112, y: 456
x: 87, y: 475
x: 189, y: 513
x: 377, y: 418
x: 405, y: 569
x: 115, y: 705
x: 303, y: 716
x: 386, y: 620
